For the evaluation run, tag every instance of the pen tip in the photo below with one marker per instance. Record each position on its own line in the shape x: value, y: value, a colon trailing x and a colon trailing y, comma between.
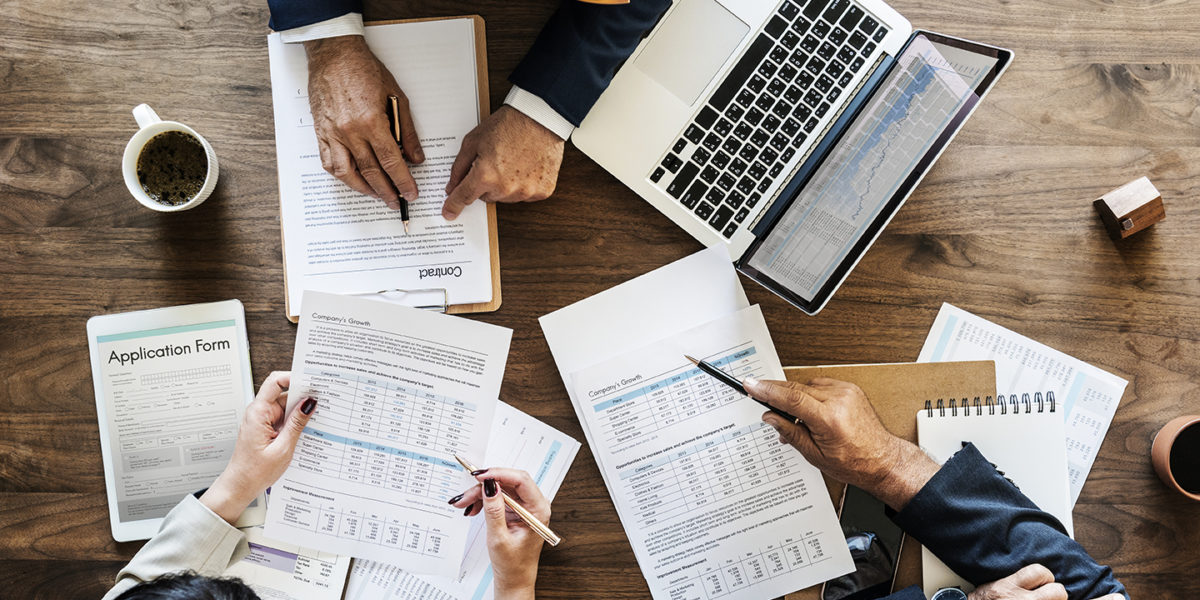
x: 694, y: 361
x: 405, y: 227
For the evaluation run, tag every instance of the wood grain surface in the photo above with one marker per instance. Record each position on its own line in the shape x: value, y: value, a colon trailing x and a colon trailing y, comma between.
x: 1101, y: 92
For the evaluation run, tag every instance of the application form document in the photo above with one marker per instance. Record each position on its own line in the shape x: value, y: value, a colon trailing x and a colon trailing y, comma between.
x: 714, y: 506
x: 400, y: 391
x: 517, y: 441
x: 1088, y: 396
x: 338, y: 240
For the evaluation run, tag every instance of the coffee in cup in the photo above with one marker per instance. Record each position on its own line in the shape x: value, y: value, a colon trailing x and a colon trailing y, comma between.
x: 1176, y: 455
x: 168, y: 167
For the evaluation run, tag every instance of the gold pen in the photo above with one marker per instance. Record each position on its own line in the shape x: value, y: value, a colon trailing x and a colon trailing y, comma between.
x: 536, y: 525
x: 393, y: 113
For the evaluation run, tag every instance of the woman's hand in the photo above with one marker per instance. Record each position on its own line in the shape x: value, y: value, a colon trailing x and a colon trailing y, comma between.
x: 266, y: 440
x: 513, y: 547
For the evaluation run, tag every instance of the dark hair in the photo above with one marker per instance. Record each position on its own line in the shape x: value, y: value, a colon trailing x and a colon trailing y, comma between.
x: 189, y: 586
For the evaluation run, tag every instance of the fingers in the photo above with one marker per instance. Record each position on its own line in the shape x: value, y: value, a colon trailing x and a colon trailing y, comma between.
x: 1111, y: 597
x: 296, y: 422
x: 494, y: 511
x: 368, y: 167
x: 466, y: 192
x: 1032, y: 576
x: 793, y: 398
x: 520, y: 485
x: 1050, y: 591
x: 392, y: 163
x: 409, y: 140
x: 341, y: 165
x: 462, y: 163
x: 791, y: 433
x: 275, y: 384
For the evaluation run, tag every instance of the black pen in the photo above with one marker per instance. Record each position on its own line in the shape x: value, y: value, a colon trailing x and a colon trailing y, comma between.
x: 393, y: 111
x: 729, y: 380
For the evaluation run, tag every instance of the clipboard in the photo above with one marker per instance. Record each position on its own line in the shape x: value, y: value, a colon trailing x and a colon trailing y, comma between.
x: 493, y: 239
x: 898, y: 391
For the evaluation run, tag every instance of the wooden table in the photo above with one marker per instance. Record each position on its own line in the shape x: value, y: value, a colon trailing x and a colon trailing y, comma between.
x: 1099, y: 94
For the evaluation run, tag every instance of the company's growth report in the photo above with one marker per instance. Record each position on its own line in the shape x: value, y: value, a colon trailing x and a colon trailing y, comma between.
x: 338, y: 240
x: 714, y: 506
x: 399, y: 391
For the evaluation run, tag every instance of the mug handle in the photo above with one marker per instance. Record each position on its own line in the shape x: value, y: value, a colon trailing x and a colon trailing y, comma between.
x: 145, y: 115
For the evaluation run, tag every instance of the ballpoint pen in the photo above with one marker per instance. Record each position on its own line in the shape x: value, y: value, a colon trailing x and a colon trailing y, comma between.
x: 729, y: 380
x: 393, y: 111
x: 536, y: 525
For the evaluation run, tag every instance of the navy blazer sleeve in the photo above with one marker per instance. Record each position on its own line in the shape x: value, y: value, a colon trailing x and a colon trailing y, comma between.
x: 289, y: 14
x: 578, y: 52
x: 985, y: 529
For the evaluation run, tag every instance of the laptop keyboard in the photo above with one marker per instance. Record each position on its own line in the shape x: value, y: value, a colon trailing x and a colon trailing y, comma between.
x: 768, y: 105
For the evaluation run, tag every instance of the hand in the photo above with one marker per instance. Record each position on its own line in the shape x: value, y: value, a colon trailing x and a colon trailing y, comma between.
x: 842, y: 436
x: 507, y: 158
x: 513, y: 547
x: 347, y: 90
x: 263, y: 450
x: 1033, y: 582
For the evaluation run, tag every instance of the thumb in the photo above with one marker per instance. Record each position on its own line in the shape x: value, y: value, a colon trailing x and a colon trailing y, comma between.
x: 296, y: 422
x: 462, y: 162
x: 494, y: 510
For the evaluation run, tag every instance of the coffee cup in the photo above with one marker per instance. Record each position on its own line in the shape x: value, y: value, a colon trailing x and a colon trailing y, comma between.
x: 1176, y: 455
x: 167, y: 166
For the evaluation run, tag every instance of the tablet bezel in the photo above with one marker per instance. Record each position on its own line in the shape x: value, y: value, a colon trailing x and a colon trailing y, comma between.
x: 154, y: 319
x: 863, y: 244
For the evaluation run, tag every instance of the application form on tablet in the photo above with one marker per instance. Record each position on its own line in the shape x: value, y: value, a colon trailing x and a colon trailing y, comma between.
x: 171, y: 385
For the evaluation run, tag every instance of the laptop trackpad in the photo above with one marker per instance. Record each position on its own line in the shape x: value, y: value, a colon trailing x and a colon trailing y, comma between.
x: 690, y: 46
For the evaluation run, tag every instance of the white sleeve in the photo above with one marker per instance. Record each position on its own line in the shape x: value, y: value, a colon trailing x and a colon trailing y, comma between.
x: 535, y: 108
x: 347, y: 24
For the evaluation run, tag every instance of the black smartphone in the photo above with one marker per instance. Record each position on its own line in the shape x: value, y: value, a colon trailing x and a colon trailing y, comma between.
x: 874, y: 542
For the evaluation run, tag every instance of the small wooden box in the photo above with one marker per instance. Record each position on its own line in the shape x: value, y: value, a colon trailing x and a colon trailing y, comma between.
x: 1130, y: 208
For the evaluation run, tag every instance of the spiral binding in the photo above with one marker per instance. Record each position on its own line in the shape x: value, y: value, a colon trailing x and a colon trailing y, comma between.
x: 1001, y: 403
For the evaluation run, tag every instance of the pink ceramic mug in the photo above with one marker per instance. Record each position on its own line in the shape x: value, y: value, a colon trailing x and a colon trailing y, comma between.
x: 1176, y: 455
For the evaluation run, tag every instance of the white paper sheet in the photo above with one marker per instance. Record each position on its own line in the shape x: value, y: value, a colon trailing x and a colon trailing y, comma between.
x: 400, y: 391
x: 279, y: 571
x: 338, y: 240
x: 1087, y: 396
x: 633, y: 337
x: 518, y: 441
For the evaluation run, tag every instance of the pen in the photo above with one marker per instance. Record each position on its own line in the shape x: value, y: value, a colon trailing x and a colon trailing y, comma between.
x: 729, y: 380
x: 537, y: 526
x: 393, y: 111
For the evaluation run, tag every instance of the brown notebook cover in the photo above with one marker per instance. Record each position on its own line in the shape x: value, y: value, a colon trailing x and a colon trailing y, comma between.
x: 898, y: 391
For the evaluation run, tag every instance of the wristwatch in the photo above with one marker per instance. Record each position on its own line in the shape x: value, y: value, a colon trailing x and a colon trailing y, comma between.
x: 950, y: 593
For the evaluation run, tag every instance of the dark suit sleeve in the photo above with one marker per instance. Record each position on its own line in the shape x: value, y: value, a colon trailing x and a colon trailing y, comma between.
x: 289, y: 14
x: 911, y: 592
x: 985, y: 529
x: 578, y: 52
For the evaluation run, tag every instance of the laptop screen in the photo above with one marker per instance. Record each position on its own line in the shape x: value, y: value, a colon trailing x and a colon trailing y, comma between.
x: 865, y: 177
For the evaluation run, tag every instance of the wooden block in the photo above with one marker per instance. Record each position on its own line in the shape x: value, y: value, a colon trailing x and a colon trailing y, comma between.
x: 1130, y: 208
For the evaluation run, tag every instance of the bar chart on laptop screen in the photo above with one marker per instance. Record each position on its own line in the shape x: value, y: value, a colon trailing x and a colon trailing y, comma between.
x: 848, y: 191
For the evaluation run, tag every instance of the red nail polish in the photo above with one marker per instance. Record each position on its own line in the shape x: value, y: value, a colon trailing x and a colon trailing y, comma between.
x: 489, y: 487
x: 478, y: 472
x: 308, y: 406
x: 467, y: 512
x: 456, y: 499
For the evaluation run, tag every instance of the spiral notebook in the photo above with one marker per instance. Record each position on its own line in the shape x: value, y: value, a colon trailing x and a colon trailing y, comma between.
x: 1023, y: 435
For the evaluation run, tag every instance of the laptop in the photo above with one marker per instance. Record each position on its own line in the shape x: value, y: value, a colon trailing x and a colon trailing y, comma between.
x: 790, y: 132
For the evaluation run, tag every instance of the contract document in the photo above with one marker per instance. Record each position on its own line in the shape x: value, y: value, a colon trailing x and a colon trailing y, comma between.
x: 338, y: 240
x: 1089, y: 396
x: 713, y: 504
x: 517, y: 441
x: 399, y: 391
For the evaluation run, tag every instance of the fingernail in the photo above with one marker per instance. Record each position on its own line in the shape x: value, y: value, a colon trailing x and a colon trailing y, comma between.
x: 467, y: 512
x: 489, y: 487
x: 782, y: 440
x: 449, y: 216
x: 478, y: 472
x: 773, y: 422
x: 308, y: 406
x: 419, y: 155
x: 749, y: 382
x: 455, y: 499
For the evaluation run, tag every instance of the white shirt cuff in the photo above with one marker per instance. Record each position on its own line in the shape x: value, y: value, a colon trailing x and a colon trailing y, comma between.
x: 347, y: 24
x: 535, y: 108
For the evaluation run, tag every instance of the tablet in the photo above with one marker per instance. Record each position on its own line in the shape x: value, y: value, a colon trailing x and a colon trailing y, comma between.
x: 171, y: 385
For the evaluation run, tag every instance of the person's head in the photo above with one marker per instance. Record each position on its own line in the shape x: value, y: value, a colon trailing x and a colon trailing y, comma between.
x: 189, y: 586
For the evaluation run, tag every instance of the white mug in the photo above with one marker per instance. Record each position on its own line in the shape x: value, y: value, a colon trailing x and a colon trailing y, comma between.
x: 150, y: 126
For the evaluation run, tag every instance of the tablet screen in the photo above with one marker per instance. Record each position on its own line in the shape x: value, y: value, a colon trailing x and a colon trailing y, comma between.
x: 172, y: 400
x: 859, y: 185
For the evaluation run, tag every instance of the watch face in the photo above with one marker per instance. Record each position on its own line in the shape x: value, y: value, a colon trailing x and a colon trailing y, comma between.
x: 950, y: 594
